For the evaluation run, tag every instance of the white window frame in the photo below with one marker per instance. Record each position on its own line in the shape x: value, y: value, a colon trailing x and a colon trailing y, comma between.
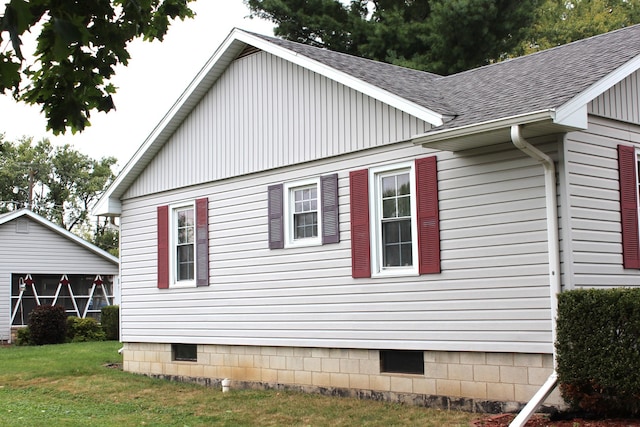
x: 289, y: 235
x: 375, y: 207
x: 173, y: 241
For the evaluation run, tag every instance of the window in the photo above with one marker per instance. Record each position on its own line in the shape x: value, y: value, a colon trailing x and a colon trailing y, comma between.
x: 394, y: 227
x: 183, y: 244
x: 395, y: 220
x: 402, y: 362
x: 628, y: 165
x: 184, y: 352
x: 301, y: 210
x: 304, y: 213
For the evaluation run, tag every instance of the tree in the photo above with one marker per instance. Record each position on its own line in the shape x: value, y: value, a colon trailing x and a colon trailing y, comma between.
x: 560, y: 21
x: 78, y: 46
x: 59, y: 183
x: 22, y: 166
x: 74, y: 184
x: 442, y: 36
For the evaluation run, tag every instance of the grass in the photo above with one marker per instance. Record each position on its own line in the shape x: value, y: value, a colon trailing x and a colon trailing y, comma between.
x: 69, y: 385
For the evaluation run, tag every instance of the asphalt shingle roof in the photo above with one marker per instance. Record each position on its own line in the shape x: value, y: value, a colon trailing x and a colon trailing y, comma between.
x: 535, y: 82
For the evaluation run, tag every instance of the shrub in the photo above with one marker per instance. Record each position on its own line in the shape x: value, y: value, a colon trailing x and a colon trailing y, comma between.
x: 48, y: 325
x: 23, y: 336
x: 82, y: 330
x: 110, y: 320
x: 598, y: 350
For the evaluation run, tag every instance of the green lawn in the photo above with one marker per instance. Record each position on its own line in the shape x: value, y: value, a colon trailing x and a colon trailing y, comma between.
x: 69, y: 385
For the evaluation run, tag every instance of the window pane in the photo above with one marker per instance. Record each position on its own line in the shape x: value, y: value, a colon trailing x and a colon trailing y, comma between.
x: 397, y: 246
x: 404, y: 206
x: 305, y: 225
x: 391, y: 255
x: 405, y: 230
x: 185, y: 263
x: 389, y: 186
x: 390, y: 233
x: 406, y: 258
x: 389, y: 208
x: 185, y: 218
x: 403, y: 184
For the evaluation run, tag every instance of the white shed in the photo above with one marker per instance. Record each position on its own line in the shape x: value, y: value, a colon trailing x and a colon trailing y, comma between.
x: 42, y: 263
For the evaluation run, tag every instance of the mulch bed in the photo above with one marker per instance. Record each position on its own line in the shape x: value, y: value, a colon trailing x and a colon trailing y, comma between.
x: 503, y: 420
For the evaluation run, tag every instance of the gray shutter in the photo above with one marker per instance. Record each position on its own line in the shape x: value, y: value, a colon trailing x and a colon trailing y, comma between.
x: 330, y: 219
x: 276, y: 216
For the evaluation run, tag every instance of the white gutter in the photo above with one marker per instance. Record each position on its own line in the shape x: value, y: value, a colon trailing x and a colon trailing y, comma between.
x: 488, y: 126
x: 554, y: 263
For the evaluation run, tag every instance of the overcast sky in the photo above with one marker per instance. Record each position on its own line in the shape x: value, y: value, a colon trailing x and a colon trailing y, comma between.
x: 154, y: 79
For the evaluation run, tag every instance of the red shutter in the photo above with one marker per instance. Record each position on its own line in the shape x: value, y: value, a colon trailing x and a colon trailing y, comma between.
x: 276, y: 216
x: 163, y: 247
x: 627, y: 166
x: 360, y: 241
x: 202, y: 242
x: 428, y: 216
x: 330, y: 220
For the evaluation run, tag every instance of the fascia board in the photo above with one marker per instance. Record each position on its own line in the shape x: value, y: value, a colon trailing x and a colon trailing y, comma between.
x: 574, y: 105
x: 57, y: 229
x: 348, y: 80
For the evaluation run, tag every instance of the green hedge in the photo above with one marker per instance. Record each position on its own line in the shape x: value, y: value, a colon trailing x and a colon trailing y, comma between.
x: 47, y: 325
x: 598, y: 350
x: 83, y: 330
x: 110, y: 320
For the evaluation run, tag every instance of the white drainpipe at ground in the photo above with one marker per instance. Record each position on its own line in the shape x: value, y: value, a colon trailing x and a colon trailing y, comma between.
x: 554, y: 263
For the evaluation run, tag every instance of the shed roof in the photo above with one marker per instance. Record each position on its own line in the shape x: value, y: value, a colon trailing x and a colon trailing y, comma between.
x: 13, y: 215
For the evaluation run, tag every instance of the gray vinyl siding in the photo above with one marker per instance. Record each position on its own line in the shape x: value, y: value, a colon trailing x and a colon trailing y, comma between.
x: 594, y: 203
x: 621, y: 102
x: 41, y: 251
x: 492, y: 294
x: 264, y: 113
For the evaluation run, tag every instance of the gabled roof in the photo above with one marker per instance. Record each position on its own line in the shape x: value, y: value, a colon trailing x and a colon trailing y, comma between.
x: 548, y: 91
x: 10, y: 216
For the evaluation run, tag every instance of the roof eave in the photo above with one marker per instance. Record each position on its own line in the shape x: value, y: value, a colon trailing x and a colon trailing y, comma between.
x: 492, y: 132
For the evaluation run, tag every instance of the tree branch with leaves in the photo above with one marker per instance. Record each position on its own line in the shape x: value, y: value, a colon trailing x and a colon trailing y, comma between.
x: 78, y: 47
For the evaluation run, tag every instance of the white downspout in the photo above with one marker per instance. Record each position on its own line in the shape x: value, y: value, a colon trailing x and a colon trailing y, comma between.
x: 554, y: 263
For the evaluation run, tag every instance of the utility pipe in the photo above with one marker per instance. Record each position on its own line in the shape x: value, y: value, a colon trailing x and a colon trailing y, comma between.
x: 553, y: 243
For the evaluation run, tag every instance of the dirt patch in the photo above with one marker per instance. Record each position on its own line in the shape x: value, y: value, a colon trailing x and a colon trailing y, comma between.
x: 113, y: 366
x: 503, y: 420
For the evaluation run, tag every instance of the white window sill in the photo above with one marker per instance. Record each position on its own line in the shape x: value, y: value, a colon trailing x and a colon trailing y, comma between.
x: 396, y: 273
x: 183, y: 285
x: 303, y: 243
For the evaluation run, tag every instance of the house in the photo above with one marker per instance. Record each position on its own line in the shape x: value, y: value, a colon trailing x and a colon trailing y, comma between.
x: 308, y: 219
x: 43, y: 263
